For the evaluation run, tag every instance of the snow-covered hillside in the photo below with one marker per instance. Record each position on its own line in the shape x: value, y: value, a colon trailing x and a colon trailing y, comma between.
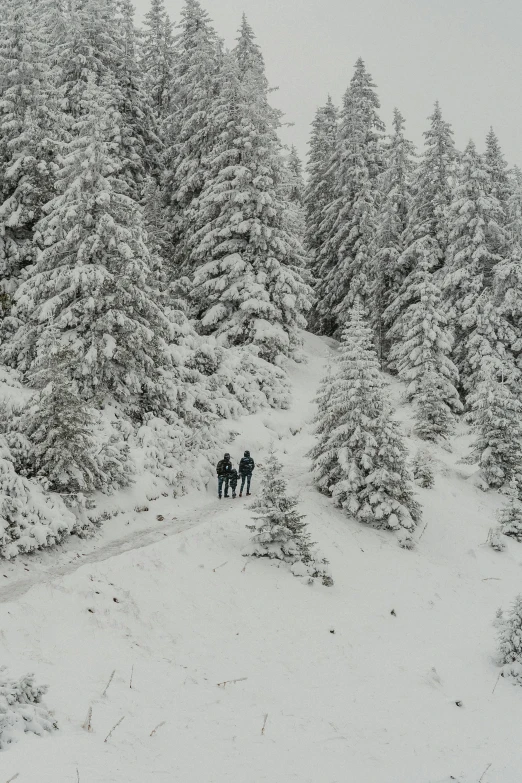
x: 242, y: 673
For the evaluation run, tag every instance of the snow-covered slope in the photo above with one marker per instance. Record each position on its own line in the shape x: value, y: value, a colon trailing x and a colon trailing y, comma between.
x: 387, y: 677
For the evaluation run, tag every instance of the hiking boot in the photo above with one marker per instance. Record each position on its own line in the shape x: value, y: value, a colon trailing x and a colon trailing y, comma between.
x: 234, y: 496
x: 219, y: 496
x: 240, y: 494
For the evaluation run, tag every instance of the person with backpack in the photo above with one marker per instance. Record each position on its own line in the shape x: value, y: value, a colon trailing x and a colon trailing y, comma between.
x: 224, y: 472
x: 246, y: 468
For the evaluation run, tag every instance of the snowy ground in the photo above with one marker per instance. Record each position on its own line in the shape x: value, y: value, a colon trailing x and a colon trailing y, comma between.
x: 352, y: 691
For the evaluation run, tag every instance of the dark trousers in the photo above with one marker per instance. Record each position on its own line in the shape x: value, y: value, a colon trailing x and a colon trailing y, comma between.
x: 223, y: 480
x: 248, y: 478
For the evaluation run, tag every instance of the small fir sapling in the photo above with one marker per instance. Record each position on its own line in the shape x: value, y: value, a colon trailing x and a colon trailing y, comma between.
x: 495, y: 539
x: 510, y: 515
x: 510, y: 641
x: 422, y: 467
x: 279, y: 532
x: 21, y: 709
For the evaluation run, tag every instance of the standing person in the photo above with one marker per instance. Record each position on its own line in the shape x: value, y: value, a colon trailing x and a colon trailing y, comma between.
x: 224, y: 470
x: 246, y: 468
x: 233, y: 481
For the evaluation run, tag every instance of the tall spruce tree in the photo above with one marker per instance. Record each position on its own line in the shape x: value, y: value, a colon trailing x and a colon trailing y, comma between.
x: 90, y: 283
x: 391, y: 225
x: 497, y: 169
x: 360, y: 457
x: 421, y: 347
x: 346, y: 268
x: 29, y: 133
x: 139, y: 141
x: 319, y: 186
x: 247, y: 285
x: 427, y: 229
x: 157, y: 56
x: 496, y: 415
x: 474, y: 215
x: 196, y: 80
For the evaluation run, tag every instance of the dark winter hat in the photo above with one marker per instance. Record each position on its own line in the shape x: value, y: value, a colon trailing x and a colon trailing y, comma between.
x: 227, y: 456
x: 247, y: 454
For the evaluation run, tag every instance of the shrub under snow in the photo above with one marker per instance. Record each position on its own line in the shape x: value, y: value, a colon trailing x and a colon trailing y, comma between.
x: 21, y: 710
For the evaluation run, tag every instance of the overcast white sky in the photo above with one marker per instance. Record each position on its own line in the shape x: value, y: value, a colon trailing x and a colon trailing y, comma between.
x: 465, y: 53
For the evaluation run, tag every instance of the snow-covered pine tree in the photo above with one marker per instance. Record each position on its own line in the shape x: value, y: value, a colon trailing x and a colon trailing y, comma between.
x: 279, y: 530
x: 422, y: 469
x: 346, y: 269
x: 510, y: 515
x: 360, y: 457
x: 249, y: 55
x: 506, y: 295
x: 496, y: 415
x: 293, y: 195
x: 59, y: 426
x: 427, y: 229
x: 248, y: 289
x: 319, y: 186
x: 421, y: 346
x: 474, y: 215
x: 139, y: 144
x: 157, y: 56
x: 195, y: 84
x: 86, y: 50
x: 28, y: 140
x: 90, y: 283
x: 497, y: 169
x: 390, y: 233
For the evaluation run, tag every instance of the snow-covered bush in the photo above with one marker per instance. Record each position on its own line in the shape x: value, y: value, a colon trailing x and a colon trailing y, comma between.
x: 279, y: 532
x: 30, y: 518
x: 422, y: 467
x: 21, y: 710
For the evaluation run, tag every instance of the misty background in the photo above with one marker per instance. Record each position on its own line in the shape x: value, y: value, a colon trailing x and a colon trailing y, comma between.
x: 464, y: 53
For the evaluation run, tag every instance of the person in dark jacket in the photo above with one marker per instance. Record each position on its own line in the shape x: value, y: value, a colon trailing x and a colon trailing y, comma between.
x: 233, y: 479
x: 246, y: 468
x: 224, y: 471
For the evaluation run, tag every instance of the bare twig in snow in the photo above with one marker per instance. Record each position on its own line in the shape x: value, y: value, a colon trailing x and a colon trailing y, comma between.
x: 77, y: 775
x: 482, y: 776
x: 114, y: 727
x: 154, y: 730
x: 87, y: 725
x: 132, y: 676
x: 496, y: 683
x: 424, y: 530
x: 492, y: 578
x: 231, y: 682
x: 219, y: 566
x: 107, y: 686
x: 13, y: 778
x: 264, y: 725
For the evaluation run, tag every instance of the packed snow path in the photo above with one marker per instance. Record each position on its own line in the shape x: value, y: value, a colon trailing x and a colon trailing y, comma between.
x: 239, y: 671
